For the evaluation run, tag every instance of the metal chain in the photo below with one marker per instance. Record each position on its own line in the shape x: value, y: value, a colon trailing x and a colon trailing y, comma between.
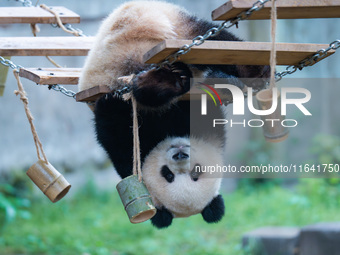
x: 126, y: 89
x: 59, y: 88
x: 70, y: 93
x: 70, y: 28
x: 198, y: 40
x: 62, y: 90
x: 9, y: 63
x: 56, y: 87
x: 309, y: 61
x: 122, y: 91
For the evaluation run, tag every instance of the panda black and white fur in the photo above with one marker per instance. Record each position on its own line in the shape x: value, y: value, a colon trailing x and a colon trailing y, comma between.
x: 169, y: 150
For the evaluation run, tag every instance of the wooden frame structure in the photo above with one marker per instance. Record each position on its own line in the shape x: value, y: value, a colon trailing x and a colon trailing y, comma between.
x: 286, y: 9
x: 211, y: 52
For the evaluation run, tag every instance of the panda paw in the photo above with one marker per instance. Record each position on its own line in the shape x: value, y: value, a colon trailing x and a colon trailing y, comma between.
x: 162, y: 219
x: 214, y: 211
x: 155, y: 88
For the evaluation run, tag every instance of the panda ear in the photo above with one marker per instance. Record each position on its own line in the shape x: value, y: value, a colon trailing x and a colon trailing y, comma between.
x: 162, y: 219
x: 214, y: 211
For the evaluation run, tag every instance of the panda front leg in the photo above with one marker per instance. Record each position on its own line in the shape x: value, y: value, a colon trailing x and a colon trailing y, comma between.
x: 157, y: 87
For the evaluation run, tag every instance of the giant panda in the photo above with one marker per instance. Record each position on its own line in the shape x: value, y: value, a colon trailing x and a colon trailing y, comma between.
x: 170, y: 149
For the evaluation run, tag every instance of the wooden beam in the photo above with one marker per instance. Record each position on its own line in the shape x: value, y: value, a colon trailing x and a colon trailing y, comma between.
x: 45, y: 46
x: 10, y: 15
x: 234, y: 53
x: 287, y: 9
x: 92, y: 94
x: 50, y: 76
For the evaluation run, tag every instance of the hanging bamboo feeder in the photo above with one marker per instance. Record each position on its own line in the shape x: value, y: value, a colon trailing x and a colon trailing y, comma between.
x: 136, y: 199
x: 42, y: 173
x: 132, y: 191
x: 48, y: 180
x: 273, y: 132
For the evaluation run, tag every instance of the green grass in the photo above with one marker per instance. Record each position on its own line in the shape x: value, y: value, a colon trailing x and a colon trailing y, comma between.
x: 95, y: 223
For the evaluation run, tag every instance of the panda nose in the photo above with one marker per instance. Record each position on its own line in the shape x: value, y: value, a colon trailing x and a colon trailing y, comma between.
x: 180, y: 156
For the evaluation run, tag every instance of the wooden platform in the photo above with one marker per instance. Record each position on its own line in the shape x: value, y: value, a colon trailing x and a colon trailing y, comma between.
x: 287, y: 9
x: 234, y: 53
x: 45, y: 46
x: 92, y: 94
x: 51, y: 76
x: 10, y: 15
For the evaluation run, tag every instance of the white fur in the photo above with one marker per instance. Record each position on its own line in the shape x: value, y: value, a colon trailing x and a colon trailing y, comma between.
x: 183, y: 197
x: 127, y: 34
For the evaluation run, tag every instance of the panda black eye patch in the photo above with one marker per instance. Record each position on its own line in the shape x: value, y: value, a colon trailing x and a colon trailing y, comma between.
x: 196, y: 172
x: 167, y: 174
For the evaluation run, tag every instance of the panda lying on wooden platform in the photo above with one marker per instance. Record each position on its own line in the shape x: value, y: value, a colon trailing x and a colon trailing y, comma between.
x: 169, y: 150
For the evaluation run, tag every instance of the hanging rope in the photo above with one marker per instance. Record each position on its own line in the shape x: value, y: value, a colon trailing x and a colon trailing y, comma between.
x: 273, y: 48
x: 137, y: 165
x: 24, y: 99
x: 53, y: 62
x: 59, y: 22
x: 137, y: 169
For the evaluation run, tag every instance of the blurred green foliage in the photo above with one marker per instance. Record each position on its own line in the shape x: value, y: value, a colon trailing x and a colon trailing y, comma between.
x: 325, y: 149
x: 94, y: 222
x: 13, y: 202
x: 256, y: 153
x: 11, y: 205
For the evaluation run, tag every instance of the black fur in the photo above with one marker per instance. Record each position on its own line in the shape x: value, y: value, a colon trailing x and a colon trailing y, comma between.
x: 214, y: 211
x: 113, y: 124
x: 162, y: 219
x: 167, y: 174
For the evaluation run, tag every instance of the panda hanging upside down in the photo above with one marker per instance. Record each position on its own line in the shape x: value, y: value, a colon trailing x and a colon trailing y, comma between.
x: 171, y: 150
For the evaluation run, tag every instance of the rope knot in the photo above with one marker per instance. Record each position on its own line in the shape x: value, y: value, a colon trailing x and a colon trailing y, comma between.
x: 23, y: 96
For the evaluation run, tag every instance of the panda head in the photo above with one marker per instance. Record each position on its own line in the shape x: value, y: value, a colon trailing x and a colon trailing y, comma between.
x: 179, y: 187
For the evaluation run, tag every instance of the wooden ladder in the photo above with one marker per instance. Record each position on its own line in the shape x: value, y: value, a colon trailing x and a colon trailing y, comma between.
x: 211, y: 52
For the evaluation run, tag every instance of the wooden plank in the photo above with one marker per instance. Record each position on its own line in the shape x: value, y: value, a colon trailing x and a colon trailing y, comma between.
x: 287, y: 9
x: 234, y: 53
x: 45, y: 46
x: 50, y: 76
x: 92, y: 94
x: 10, y: 15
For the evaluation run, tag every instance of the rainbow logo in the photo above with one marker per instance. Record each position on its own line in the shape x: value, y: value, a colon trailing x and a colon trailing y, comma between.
x: 209, y: 93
